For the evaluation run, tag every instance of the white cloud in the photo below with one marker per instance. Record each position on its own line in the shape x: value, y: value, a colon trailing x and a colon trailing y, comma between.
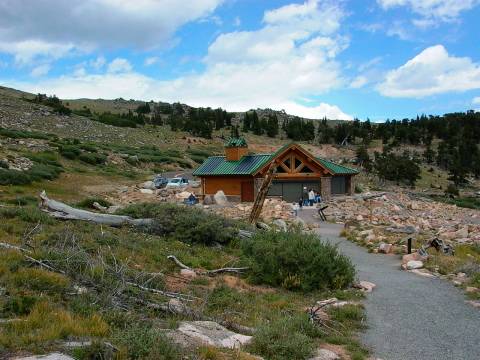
x: 358, y: 82
x: 40, y: 70
x: 476, y: 100
x: 98, y: 63
x: 151, y: 60
x: 119, y: 65
x: 431, y: 72
x: 25, y: 51
x: 445, y: 10
x: 292, y: 56
x: 53, y: 27
x: 237, y: 22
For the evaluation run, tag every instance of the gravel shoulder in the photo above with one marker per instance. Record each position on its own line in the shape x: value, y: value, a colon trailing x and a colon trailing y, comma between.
x: 409, y: 316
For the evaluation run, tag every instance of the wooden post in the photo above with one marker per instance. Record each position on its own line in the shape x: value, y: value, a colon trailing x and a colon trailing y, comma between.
x: 409, y: 246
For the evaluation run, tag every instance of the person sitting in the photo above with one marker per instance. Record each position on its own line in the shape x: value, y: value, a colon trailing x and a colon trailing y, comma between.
x: 191, y: 200
x: 318, y: 197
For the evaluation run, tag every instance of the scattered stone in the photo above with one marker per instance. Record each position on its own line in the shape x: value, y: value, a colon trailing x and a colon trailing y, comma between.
x: 208, y: 333
x: 366, y: 286
x: 188, y: 273
x: 52, y: 356
x: 148, y: 185
x: 146, y: 191
x: 385, y: 248
x: 281, y: 224
x: 208, y: 200
x: 414, y: 264
x: 474, y: 303
x: 471, y: 289
x: 423, y: 272
x: 325, y: 354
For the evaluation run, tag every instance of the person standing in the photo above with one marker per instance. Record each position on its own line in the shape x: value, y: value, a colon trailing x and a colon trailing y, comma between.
x: 295, y: 208
x: 311, y: 197
x: 305, y: 196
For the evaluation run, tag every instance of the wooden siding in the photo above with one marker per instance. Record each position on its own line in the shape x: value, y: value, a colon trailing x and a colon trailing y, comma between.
x: 230, y: 185
x: 235, y: 153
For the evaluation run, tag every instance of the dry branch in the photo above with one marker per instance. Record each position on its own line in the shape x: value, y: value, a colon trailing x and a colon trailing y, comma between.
x: 63, y: 211
x: 235, y: 270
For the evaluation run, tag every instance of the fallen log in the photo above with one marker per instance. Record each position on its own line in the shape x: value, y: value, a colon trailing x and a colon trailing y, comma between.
x: 63, y: 211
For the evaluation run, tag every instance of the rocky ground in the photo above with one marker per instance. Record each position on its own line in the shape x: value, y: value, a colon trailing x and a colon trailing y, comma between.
x: 384, y: 221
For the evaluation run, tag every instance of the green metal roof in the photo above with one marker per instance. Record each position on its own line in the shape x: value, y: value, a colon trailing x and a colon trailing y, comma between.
x: 236, y: 142
x: 217, y: 165
x: 249, y: 164
x: 337, y: 169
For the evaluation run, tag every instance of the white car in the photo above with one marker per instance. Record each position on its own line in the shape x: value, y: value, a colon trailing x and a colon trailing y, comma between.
x: 177, y: 182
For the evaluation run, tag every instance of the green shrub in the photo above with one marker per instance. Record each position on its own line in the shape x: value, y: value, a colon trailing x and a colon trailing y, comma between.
x: 88, y: 203
x: 19, y: 305
x: 45, y: 158
x: 27, y: 214
x: 186, y: 224
x: 40, y: 280
x: 93, y: 159
x: 285, y: 339
x: 452, y: 190
x: 23, y: 134
x: 22, y: 200
x: 3, y: 164
x: 145, y: 342
x: 297, y: 261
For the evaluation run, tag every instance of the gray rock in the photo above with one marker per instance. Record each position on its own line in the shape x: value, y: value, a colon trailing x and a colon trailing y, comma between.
x: 52, y: 356
x: 207, y: 333
x: 208, y: 200
x: 281, y: 224
x: 414, y: 264
x: 220, y: 198
x: 325, y: 354
x: 148, y: 185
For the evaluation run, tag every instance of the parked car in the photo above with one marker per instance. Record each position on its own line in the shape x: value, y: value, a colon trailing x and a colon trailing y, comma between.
x: 160, y: 181
x: 177, y: 182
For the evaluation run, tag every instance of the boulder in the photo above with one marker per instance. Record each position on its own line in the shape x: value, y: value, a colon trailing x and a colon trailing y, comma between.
x: 325, y: 354
x: 208, y: 333
x: 281, y: 224
x: 148, y: 185
x: 188, y: 273
x: 220, y: 198
x: 414, y: 264
x: 366, y: 286
x: 385, y: 248
x: 146, y: 191
x: 208, y: 200
x: 462, y: 232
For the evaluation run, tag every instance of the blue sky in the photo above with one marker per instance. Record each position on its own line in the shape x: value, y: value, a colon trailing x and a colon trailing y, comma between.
x: 341, y: 59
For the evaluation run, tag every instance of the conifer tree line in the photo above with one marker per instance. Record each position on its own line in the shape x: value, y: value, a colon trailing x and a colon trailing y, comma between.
x: 267, y: 126
x: 450, y: 141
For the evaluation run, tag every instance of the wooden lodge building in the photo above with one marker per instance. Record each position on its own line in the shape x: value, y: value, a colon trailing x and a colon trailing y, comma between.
x: 239, y: 174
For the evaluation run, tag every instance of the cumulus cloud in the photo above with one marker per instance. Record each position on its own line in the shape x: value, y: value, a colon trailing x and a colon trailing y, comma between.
x: 476, y: 100
x: 40, y: 70
x: 444, y: 10
x: 51, y: 27
x: 119, y: 65
x: 151, y: 60
x: 431, y: 72
x: 358, y: 82
x: 292, y: 56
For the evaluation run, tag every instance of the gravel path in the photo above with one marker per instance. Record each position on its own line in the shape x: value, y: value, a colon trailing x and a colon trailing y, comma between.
x: 409, y: 316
